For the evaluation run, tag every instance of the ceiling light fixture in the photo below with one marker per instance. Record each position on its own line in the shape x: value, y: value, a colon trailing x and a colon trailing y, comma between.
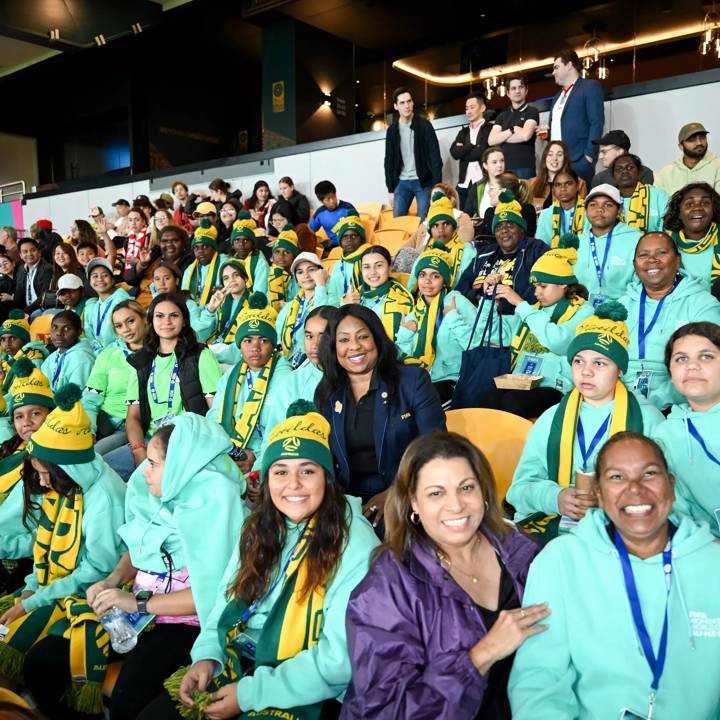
x: 675, y: 33
x: 100, y: 40
x: 710, y: 38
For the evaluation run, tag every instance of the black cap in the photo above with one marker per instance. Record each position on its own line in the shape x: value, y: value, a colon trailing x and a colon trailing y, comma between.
x: 143, y: 200
x: 614, y: 137
x: 121, y: 201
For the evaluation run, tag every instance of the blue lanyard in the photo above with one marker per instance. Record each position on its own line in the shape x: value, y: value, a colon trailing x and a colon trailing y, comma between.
x: 642, y: 332
x: 101, y: 318
x: 230, y: 321
x: 600, y: 269
x: 345, y: 280
x: 58, y: 367
x: 250, y: 382
x: 599, y: 435
x: 171, y: 391
x: 562, y: 218
x: 302, y: 312
x: 694, y: 432
x: 250, y: 611
x: 657, y: 664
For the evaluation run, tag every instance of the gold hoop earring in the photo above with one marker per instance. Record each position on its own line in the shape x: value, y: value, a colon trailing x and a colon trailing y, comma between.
x: 414, y: 518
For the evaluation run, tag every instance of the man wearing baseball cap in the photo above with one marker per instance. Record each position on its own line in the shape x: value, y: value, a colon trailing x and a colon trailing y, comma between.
x: 697, y: 163
x: 613, y: 144
x: 122, y: 208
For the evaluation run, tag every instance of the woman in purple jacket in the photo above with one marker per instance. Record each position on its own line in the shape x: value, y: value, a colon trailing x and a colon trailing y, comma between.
x: 433, y: 628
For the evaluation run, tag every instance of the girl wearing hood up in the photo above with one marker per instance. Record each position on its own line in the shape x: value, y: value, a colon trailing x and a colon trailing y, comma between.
x: 187, y: 485
x: 277, y: 631
x: 75, y: 504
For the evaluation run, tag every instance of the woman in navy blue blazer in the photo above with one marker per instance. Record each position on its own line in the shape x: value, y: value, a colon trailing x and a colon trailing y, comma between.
x: 375, y: 405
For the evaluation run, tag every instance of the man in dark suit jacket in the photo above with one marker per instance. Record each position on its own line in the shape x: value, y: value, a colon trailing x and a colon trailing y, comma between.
x: 577, y: 116
x: 412, y: 157
x: 39, y: 271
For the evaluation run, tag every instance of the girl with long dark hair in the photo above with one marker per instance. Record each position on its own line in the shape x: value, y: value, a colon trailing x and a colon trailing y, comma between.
x: 259, y: 202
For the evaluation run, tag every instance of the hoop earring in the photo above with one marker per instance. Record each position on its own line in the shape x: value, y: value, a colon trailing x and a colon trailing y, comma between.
x: 414, y: 518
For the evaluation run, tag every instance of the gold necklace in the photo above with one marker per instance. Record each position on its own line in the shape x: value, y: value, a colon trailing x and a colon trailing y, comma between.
x: 446, y: 560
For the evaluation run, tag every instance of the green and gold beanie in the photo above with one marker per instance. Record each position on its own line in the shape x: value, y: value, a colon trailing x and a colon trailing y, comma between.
x: 30, y: 386
x: 508, y: 209
x: 435, y: 259
x: 605, y: 332
x: 305, y: 434
x: 441, y: 209
x: 350, y: 222
x: 65, y: 438
x: 205, y: 234
x: 244, y: 225
x: 17, y: 325
x: 556, y: 265
x: 288, y: 240
x: 258, y: 318
x: 236, y: 263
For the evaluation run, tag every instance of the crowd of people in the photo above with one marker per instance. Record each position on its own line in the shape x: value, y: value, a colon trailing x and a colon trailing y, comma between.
x: 240, y: 445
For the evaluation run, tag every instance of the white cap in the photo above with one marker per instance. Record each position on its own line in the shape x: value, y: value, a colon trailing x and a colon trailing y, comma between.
x: 69, y: 282
x: 607, y: 190
x: 305, y: 257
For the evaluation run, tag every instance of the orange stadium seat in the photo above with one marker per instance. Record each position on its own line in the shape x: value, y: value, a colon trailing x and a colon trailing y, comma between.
x: 393, y: 240
x: 408, y: 223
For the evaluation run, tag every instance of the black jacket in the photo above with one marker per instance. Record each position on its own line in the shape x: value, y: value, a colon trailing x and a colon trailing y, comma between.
x: 193, y: 397
x: 525, y: 255
x: 527, y: 211
x: 301, y: 205
x: 428, y: 163
x: 465, y: 151
x: 41, y: 284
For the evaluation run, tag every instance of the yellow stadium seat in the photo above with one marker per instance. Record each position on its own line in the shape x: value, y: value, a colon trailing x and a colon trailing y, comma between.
x: 373, y: 209
x: 328, y: 264
x: 369, y: 230
x: 111, y: 676
x: 408, y: 223
x: 412, y: 210
x: 335, y: 253
x: 401, y: 277
x: 319, y: 251
x: 500, y: 435
x: 40, y: 327
x: 384, y: 216
x: 393, y: 240
x: 321, y: 235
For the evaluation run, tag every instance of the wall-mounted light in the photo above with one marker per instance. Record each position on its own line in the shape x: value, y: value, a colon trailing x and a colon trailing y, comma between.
x: 137, y: 28
x: 100, y: 40
x: 377, y: 125
x: 502, y: 89
x: 55, y: 34
x: 710, y: 38
x: 488, y: 89
x: 327, y: 100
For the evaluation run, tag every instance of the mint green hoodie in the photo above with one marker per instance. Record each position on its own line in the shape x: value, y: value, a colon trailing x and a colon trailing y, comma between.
x: 657, y: 206
x: 16, y: 541
x: 452, y: 337
x: 201, y: 489
x: 273, y: 411
x: 689, y: 302
x: 321, y: 297
x: 97, y: 319
x: 552, y: 365
x: 322, y: 671
x: 75, y: 367
x: 532, y: 490
x: 619, y: 270
x: 589, y: 663
x: 697, y: 478
x: 100, y: 549
x: 303, y: 382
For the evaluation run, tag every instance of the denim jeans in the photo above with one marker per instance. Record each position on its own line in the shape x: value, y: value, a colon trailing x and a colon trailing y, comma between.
x: 111, y: 442
x: 404, y: 193
x: 121, y: 460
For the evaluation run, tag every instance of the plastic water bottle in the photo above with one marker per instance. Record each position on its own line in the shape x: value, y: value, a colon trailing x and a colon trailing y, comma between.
x: 123, y: 637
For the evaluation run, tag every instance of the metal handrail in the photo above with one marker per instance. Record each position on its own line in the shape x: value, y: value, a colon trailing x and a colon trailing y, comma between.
x: 5, y: 194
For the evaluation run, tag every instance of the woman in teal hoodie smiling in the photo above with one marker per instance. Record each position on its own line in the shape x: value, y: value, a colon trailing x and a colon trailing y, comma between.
x: 690, y: 435
x: 278, y: 626
x: 663, y: 299
x: 187, y: 485
x: 633, y: 631
x: 76, y: 504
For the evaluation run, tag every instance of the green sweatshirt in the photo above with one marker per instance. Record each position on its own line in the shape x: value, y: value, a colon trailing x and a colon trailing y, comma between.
x: 321, y: 297
x: 201, y: 488
x: 589, y: 664
x: 16, y: 541
x: 74, y: 365
x: 468, y: 255
x: 619, y: 270
x: 544, y: 229
x: 689, y: 302
x: 100, y: 550
x: 320, y: 672
x: 657, y: 206
x: 697, y: 486
x: 453, y: 336
x: 107, y: 385
x: 262, y: 269
x: 97, y: 319
x: 273, y: 410
x: 699, y: 266
x: 552, y: 365
x: 203, y: 270
x: 202, y: 321
x: 303, y: 382
x: 532, y: 490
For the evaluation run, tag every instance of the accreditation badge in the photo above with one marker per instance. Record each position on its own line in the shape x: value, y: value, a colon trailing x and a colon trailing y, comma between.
x: 626, y: 714
x: 642, y: 382
x: 531, y: 364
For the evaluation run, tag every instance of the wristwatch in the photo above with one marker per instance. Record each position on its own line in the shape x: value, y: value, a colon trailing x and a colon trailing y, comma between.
x: 142, y: 598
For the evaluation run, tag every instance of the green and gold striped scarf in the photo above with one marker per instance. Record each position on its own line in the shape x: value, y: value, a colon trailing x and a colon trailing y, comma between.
x: 577, y: 224
x: 288, y: 328
x: 278, y: 283
x: 397, y: 302
x: 241, y: 431
x: 428, y: 318
x: 638, y: 212
x: 354, y: 258
x: 251, y: 262
x: 211, y: 280
x: 227, y: 320
x: 11, y: 471
x: 525, y: 340
x: 710, y: 240
x: 454, y: 247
